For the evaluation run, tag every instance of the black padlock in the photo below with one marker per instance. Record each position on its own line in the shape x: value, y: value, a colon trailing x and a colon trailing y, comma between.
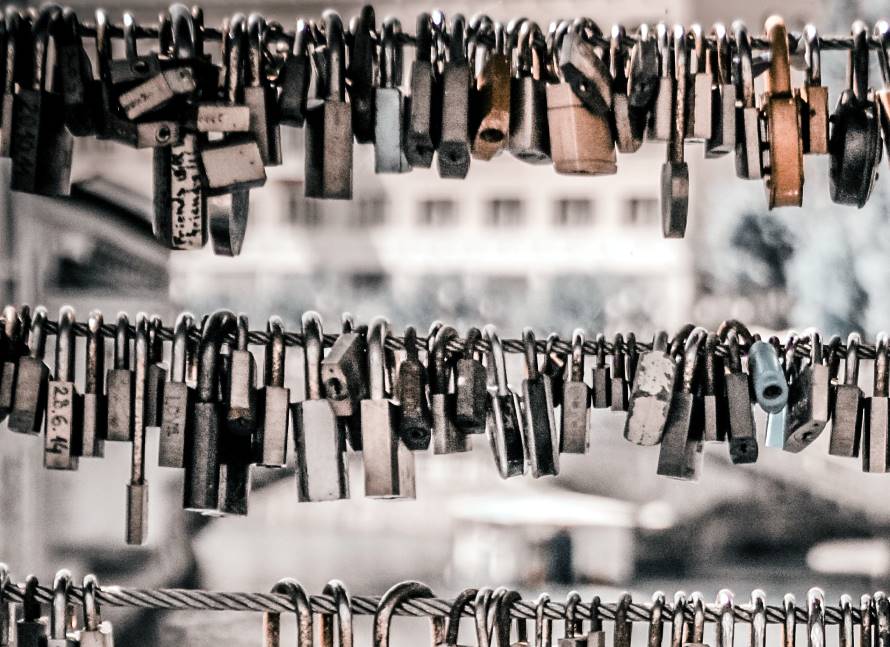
x: 529, y: 128
x: 360, y: 74
x: 179, y: 396
x: 504, y: 421
x: 602, y: 376
x: 742, y: 433
x: 454, y: 143
x: 294, y: 78
x: 16, y: 324
x: 260, y: 96
x: 422, y: 127
x: 41, y: 145
x: 470, y: 387
x: 31, y: 380
x: 415, y: 423
x: 541, y: 436
x: 328, y: 165
x: 448, y: 438
x: 82, y: 102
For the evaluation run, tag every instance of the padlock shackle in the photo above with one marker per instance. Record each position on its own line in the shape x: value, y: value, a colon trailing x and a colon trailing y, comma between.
x: 656, y: 621
x: 363, y: 49
x: 576, y: 370
x: 472, y: 338
x: 725, y: 618
x: 65, y: 346
x: 882, y: 360
x: 574, y: 626
x: 243, y: 334
x: 423, y: 38
x: 391, y: 54
x: 496, y: 363
x: 273, y: 367
x: 758, y: 618
x: 505, y: 600
x: 721, y: 54
x: 456, y: 40
x: 624, y: 626
x: 678, y: 620
x: 30, y: 604
x: 697, y: 634
x: 743, y: 65
x: 660, y: 342
x: 543, y: 624
x: 698, y: 54
x: 440, y: 371
x: 555, y: 39
x: 37, y: 337
x: 530, y: 352
x: 552, y: 358
x: 396, y: 596
x: 712, y: 366
x: 679, y: 341
x: 131, y: 49
x: 182, y: 29
x: 182, y: 347
x: 618, y: 59
x: 882, y: 35
x: 665, y: 51
x: 303, y: 38
x: 378, y: 332
x: 254, y: 73
x: 676, y: 146
x: 460, y: 603
x: 198, y: 20
x: 691, y: 353
x: 343, y: 617
x: 103, y: 45
x: 122, y: 342
x: 745, y: 337
x: 409, y: 340
x: 618, y: 358
x: 778, y: 80
x: 812, y: 55
x: 851, y: 364
x: 12, y: 329
x: 58, y: 619
x: 600, y: 342
x: 218, y: 325
x: 235, y: 53
x: 91, y: 614
x: 858, y: 61
x: 47, y: 27
x: 313, y: 353
x: 483, y: 614
x: 155, y: 342
x: 296, y: 594
x: 336, y: 54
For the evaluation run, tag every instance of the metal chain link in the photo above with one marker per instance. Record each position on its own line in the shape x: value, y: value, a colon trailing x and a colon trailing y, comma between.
x: 199, y: 600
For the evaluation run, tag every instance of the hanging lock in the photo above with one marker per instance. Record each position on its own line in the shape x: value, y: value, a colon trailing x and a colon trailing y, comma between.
x: 329, y: 124
x: 274, y: 400
x: 723, y: 95
x: 422, y: 123
x: 876, y: 418
x: 344, y: 372
x: 629, y: 121
x: 846, y: 413
x: 574, y: 626
x: 675, y: 171
x: 447, y: 437
x: 137, y: 487
x: 31, y: 628
x: 296, y: 595
x: 814, y: 97
x: 95, y: 632
x: 651, y: 394
x: 882, y: 96
x: 575, y: 402
x: 808, y: 400
x: 661, y: 120
x: 295, y: 77
x: 415, y: 423
x: 742, y: 432
x: 79, y: 89
x: 529, y: 131
x: 95, y: 406
x: 120, y: 385
x: 361, y: 72
x: 179, y: 396
x: 854, y: 146
x: 584, y: 66
x: 60, y: 616
x: 714, y: 409
x: 680, y: 455
x: 31, y: 381
x: 490, y: 103
x: 15, y: 326
x: 64, y: 405
x: 541, y: 435
x: 601, y: 391
x: 699, y: 95
x: 470, y: 387
x: 259, y: 95
x: 319, y: 444
x: 504, y: 421
x: 389, y: 464
x: 784, y: 173
x: 749, y: 136
x: 454, y: 144
x: 767, y: 377
x: 389, y: 104
x: 776, y: 422
x: 157, y: 374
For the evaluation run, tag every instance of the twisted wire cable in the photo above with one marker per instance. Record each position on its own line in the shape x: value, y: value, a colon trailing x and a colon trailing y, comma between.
x: 199, y: 600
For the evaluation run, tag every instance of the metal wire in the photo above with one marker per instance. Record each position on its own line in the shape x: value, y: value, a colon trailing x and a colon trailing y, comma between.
x: 198, y: 600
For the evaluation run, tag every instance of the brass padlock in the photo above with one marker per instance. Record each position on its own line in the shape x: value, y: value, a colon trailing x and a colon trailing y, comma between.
x: 490, y: 104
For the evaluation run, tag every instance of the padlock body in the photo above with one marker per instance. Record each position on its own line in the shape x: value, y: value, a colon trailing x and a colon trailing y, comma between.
x: 587, y: 74
x: 294, y: 79
x: 42, y: 146
x: 180, y: 208
x: 241, y: 418
x: 660, y: 119
x: 415, y: 421
x: 7, y: 387
x: 505, y: 432
x: 876, y: 436
x: 575, y: 417
x: 388, y: 463
x: 178, y: 401
x: 749, y: 144
x: 63, y: 424
x: 602, y: 387
x: 232, y: 166
x: 389, y: 140
x: 491, y: 108
x: 423, y: 123
x: 137, y: 513
x: 680, y: 453
x: 343, y: 373
x: 222, y: 118
x: 580, y: 142
x: 447, y: 437
x: 784, y: 183
x: 120, y: 387
x: 775, y: 429
x: 618, y: 394
x: 29, y: 404
x: 320, y: 449
x: 540, y: 427
x: 454, y: 143
x: 815, y: 119
x: 846, y: 421
x: 201, y: 487
x: 154, y: 393
x: 651, y: 396
x: 723, y: 128
x: 329, y: 151
x: 808, y: 407
x: 674, y: 199
x: 699, y: 108
x: 529, y: 132
x: 742, y: 431
x: 274, y: 425
x: 629, y: 124
x: 261, y: 101
x: 470, y: 396
x: 770, y: 385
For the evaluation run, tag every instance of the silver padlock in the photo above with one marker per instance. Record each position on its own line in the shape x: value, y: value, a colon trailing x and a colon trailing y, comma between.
x: 60, y: 618
x: 651, y: 395
x: 95, y: 631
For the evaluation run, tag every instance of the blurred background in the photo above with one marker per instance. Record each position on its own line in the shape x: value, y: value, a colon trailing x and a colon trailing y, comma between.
x: 512, y: 245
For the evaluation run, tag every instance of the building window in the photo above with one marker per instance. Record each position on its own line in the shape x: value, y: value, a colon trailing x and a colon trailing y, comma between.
x: 370, y: 211
x: 642, y: 212
x: 302, y: 211
x: 573, y: 212
x: 506, y: 212
x: 369, y: 281
x: 437, y: 213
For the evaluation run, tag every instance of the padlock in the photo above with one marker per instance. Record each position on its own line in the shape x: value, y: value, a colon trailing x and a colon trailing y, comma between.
x: 448, y: 438
x: 845, y: 628
x: 179, y: 396
x: 397, y: 596
x: 490, y: 100
x: 808, y: 400
x: 585, y: 67
x: 137, y: 487
x: 816, y: 617
x: 529, y: 139
x: 31, y: 628
x: 882, y: 95
x: 41, y: 146
x: 675, y: 171
x: 714, y: 409
x: 295, y: 77
x: 296, y: 595
x: 453, y: 159
x: 642, y: 75
x: 767, y: 377
x: 846, y: 414
x: 758, y: 618
x: 422, y: 119
x: 241, y: 397
x: 601, y: 391
x: 60, y: 616
x: 201, y: 490
x: 329, y: 124
x: 274, y: 400
x: 723, y: 112
x: 319, y: 443
x: 134, y: 69
x: 461, y: 602
x: 31, y: 382
x: 76, y: 77
x: 749, y: 136
x: 629, y: 121
x: 179, y: 202
x: 574, y: 625
x: 541, y: 434
x: 64, y: 405
x: 651, y: 394
x: 742, y: 434
x: 724, y: 628
x: 15, y: 326
x: 661, y: 121
x: 95, y: 632
x: 854, y: 146
x: 700, y: 84
x: 361, y: 72
x: 656, y: 619
x: 581, y: 143
x: 344, y: 372
x: 681, y: 445
x: 389, y: 104
x: 866, y: 619
x: 504, y: 636
x: 157, y: 374
x: 575, y: 401
x: 618, y: 398
x: 415, y: 422
x: 259, y: 96
x: 781, y: 108
x: 470, y: 387
x: 17, y: 50
x: 504, y: 422
x: 236, y: 454
x: 343, y: 616
x: 775, y: 422
x: 388, y: 463
x: 814, y: 112
x: 95, y: 406
x: 554, y: 367
x: 876, y: 417
x: 120, y: 385
x: 696, y: 636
